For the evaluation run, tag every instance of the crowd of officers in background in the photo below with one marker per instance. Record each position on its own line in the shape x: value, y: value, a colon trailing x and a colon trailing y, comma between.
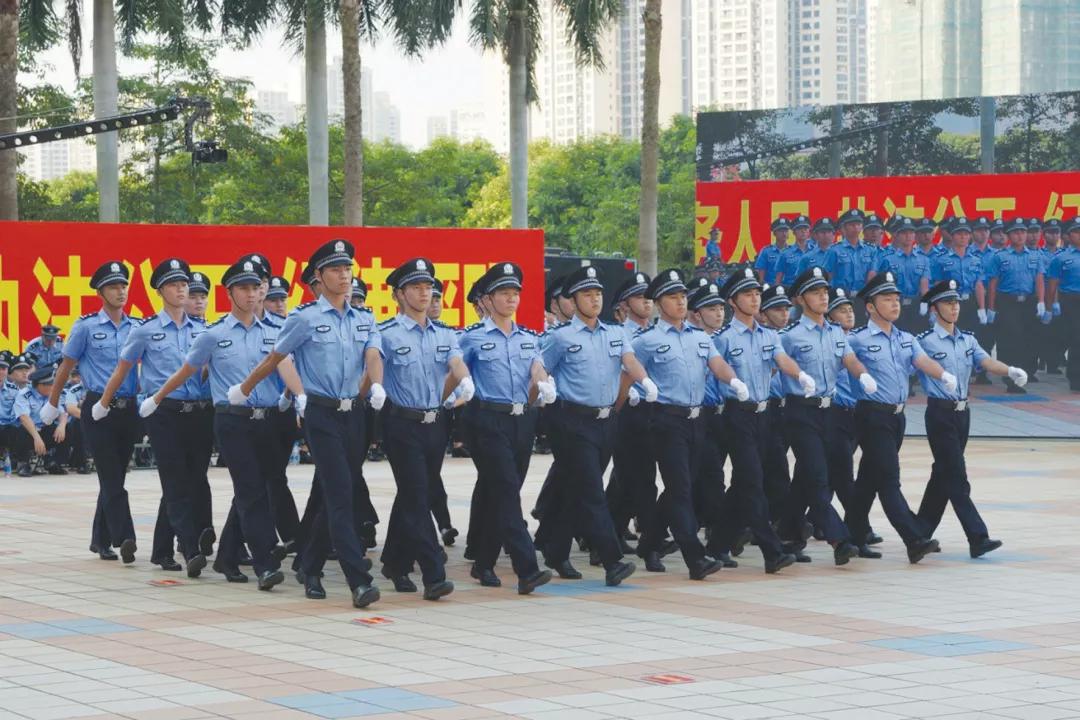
x: 696, y: 372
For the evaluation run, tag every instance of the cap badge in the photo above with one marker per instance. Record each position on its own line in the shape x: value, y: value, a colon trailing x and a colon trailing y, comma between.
x: 590, y: 272
x: 779, y: 289
x: 248, y: 267
x: 817, y: 272
x: 673, y: 275
x: 952, y: 284
x: 339, y: 246
x: 421, y: 265
x: 748, y: 273
x: 888, y: 277
x: 115, y: 267
x: 508, y: 269
x: 713, y: 290
x: 174, y: 264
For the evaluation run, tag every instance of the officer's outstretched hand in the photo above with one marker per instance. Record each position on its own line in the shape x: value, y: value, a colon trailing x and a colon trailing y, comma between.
x: 981, y: 312
x: 467, y: 388
x: 949, y: 381
x: 651, y: 391
x: 236, y: 396
x: 742, y: 393
x: 1040, y: 309
x: 869, y: 384
x: 48, y: 414
x: 98, y: 411
x: 991, y: 316
x: 283, y: 402
x: 633, y: 397
x: 377, y: 396
x: 923, y: 309
x: 1057, y: 309
x: 301, y: 404
x: 547, y: 391
x: 809, y: 387
x: 148, y: 406
x: 1045, y: 318
x: 1018, y: 376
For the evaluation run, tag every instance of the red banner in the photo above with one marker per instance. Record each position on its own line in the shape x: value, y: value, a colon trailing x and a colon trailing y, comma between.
x: 741, y: 211
x: 45, y: 268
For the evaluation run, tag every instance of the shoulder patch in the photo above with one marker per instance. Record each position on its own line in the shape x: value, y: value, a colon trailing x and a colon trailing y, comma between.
x: 387, y: 324
x: 87, y: 315
x: 858, y: 329
x: 924, y: 333
x: 305, y: 306
x: 473, y: 327
x: 217, y: 322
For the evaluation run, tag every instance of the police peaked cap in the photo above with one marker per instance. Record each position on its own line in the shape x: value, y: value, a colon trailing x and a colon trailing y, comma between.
x: 809, y: 279
x: 502, y: 275
x: 241, y: 272
x: 666, y: 282
x: 279, y: 288
x: 335, y: 252
x: 111, y: 272
x: 198, y: 282
x: 739, y: 281
x: 169, y: 271
x: 636, y: 284
x: 880, y: 284
x: 944, y: 290
x: 774, y: 296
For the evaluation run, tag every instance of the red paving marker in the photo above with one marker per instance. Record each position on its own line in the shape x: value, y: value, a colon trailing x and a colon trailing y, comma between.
x: 375, y: 620
x: 165, y: 583
x: 668, y: 679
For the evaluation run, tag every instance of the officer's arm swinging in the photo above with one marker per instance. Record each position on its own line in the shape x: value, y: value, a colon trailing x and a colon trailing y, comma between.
x: 538, y: 374
x: 262, y: 371
x: 721, y: 369
x: 175, y: 380
x: 929, y: 366
x: 115, y: 380
x: 991, y: 302
x: 788, y: 366
x: 995, y: 367
x: 458, y: 372
x: 290, y: 377
x: 62, y: 375
x: 853, y: 365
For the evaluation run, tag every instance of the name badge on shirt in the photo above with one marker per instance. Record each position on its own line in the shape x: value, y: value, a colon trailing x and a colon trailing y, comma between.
x: 268, y: 341
x: 736, y: 352
x: 442, y: 348
x: 1066, y: 262
x: 322, y: 328
x: 970, y: 351
x: 769, y: 348
x: 224, y: 343
x: 873, y: 348
x: 905, y: 344
x: 663, y: 349
x: 703, y: 345
x: 528, y: 346
x: 491, y: 346
x: 841, y: 343
x: 940, y: 355
x: 616, y: 343
x: 157, y: 336
x: 100, y: 336
x: 403, y: 350
x: 572, y: 348
x: 806, y: 348
x: 362, y: 328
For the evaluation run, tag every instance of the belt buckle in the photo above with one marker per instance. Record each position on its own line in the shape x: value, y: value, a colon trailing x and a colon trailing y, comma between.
x: 898, y: 409
x: 1021, y: 298
x: 720, y: 409
x: 603, y: 413
x: 517, y: 409
x: 762, y: 406
x: 825, y: 402
x: 187, y: 406
x: 965, y: 296
x: 345, y: 404
x: 961, y: 405
x: 694, y: 413
x: 258, y: 413
x: 430, y: 416
x: 906, y: 302
x: 119, y: 403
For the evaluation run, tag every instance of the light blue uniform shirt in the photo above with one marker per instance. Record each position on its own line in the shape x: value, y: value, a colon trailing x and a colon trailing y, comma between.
x: 908, y: 270
x: 586, y: 362
x: 768, y: 262
x: 848, y: 264
x: 1015, y: 271
x: 967, y: 271
x: 29, y: 402
x: 815, y: 257
x: 677, y: 360
x: 161, y: 345
x: 751, y: 353
x: 791, y: 260
x: 501, y: 365
x: 959, y: 353
x: 845, y: 395
x: 819, y: 351
x: 274, y: 323
x: 8, y: 392
x: 889, y: 358
x: 328, y: 347
x: 232, y: 351
x: 417, y: 361
x: 46, y: 355
x: 1065, y: 268
x: 95, y: 344
x: 73, y: 395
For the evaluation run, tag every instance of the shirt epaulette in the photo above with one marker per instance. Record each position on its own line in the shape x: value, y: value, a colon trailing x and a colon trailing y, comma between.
x: 924, y: 333
x: 270, y: 312
x: 25, y: 390
x: 305, y: 306
x: 87, y: 315
x: 833, y: 324
x: 387, y: 324
x: 528, y: 331
x: 858, y: 329
x: 472, y: 327
x: 217, y: 322
x: 967, y: 332
x: 560, y: 325
x: 440, y: 323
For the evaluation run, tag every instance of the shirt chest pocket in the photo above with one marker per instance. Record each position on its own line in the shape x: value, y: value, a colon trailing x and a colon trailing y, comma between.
x: 102, y: 341
x: 360, y: 335
x: 160, y: 343
x: 403, y: 356
x: 324, y: 335
x: 442, y: 353
x: 615, y: 348
x: 227, y: 351
x: 576, y: 355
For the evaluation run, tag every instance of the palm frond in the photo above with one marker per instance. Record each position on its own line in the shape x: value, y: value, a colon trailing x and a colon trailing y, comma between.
x: 203, y: 12
x: 244, y: 20
x: 486, y: 24
x: 129, y: 21
x: 73, y: 20
x: 37, y: 24
x: 586, y: 22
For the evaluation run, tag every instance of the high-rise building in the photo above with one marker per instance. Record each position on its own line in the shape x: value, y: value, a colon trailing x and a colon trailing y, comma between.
x: 277, y: 105
x: 49, y: 161
x: 437, y: 126
x: 469, y: 123
x: 629, y: 64
x: 828, y: 51
x: 387, y: 120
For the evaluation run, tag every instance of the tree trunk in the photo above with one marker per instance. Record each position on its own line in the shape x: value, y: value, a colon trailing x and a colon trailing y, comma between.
x: 318, y: 132
x: 836, y: 124
x: 881, y: 152
x: 354, y: 147
x: 9, y: 47
x: 987, y: 119
x: 105, y: 99
x: 519, y: 122
x: 650, y: 140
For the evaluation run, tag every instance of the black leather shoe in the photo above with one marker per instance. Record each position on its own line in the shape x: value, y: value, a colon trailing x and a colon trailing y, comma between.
x: 245, y: 559
x: 313, y: 589
x: 127, y: 551
x: 866, y: 552
x: 843, y: 553
x: 441, y: 589
x: 619, y: 572
x: 195, y: 565
x: 169, y: 564
x: 206, y: 541
x: 528, y: 584
x: 726, y: 560
x: 980, y: 548
x: 779, y: 563
x: 704, y: 567
x: 668, y: 547
x: 594, y: 558
x: 231, y: 572
x: 564, y: 570
x: 24, y: 470
x: 652, y: 562
x: 486, y: 576
x: 55, y: 469
x: 402, y: 583
x: 800, y: 556
x: 448, y: 536
x: 270, y: 578
x: 739, y: 545
x: 364, y: 595
x: 921, y: 548
x: 105, y: 553
x: 872, y: 538
x: 279, y: 553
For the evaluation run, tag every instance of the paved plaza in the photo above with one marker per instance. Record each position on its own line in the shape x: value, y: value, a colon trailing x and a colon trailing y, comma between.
x: 951, y: 638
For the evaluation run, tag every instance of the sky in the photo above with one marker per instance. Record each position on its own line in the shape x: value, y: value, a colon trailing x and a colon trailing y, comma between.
x: 445, y: 78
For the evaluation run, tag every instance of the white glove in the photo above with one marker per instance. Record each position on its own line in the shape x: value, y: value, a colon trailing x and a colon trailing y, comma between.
x: 547, y: 391
x: 148, y: 406
x: 236, y: 396
x: 283, y: 402
x: 809, y: 387
x: 949, y: 381
x: 1040, y: 309
x: 633, y: 397
x: 301, y: 404
x: 1018, y: 376
x: 377, y: 396
x: 48, y: 413
x: 1056, y: 307
x: 742, y: 393
x: 991, y: 316
x: 467, y: 388
x: 98, y: 411
x: 981, y: 312
x: 1045, y: 318
x: 869, y: 384
x: 651, y: 391
x: 923, y: 309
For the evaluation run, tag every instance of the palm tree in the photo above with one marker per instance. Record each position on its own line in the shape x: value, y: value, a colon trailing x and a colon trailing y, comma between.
x: 650, y: 139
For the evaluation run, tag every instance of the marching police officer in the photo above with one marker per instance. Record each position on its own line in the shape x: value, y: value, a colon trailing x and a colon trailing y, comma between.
x: 768, y: 259
x: 505, y: 364
x: 230, y: 348
x: 775, y: 314
x: 1064, y: 274
x: 94, y: 343
x: 585, y: 355
x: 332, y: 345
x: 889, y: 355
x: 277, y: 297
x: 948, y: 417
x: 1015, y: 296
x: 48, y: 349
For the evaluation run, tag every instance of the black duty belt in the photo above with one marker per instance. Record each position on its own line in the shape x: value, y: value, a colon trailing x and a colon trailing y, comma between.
x: 251, y: 413
x: 890, y: 408
x: 690, y: 412
x: 749, y: 406
x: 821, y: 402
x: 339, y: 404
x: 776, y: 403
x: 1014, y: 296
x: 424, y: 417
x: 955, y: 405
x: 119, y: 403
x: 185, y: 406
x: 502, y: 408
x: 597, y: 413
